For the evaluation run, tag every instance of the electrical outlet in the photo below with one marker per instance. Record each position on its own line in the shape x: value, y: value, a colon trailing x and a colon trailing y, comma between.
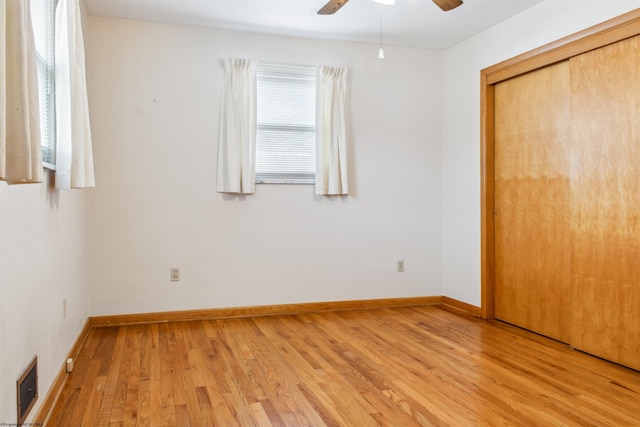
x: 64, y: 308
x: 174, y: 274
x: 400, y: 266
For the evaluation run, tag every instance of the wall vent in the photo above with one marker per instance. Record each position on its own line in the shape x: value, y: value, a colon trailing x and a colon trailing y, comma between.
x: 27, y: 390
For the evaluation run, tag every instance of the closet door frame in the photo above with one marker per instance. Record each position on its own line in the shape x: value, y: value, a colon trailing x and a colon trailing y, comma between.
x: 608, y: 32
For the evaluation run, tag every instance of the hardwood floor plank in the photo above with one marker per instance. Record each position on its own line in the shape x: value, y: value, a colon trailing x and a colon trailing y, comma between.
x: 156, y: 408
x: 321, y: 403
x: 121, y: 378
x: 134, y: 380
x: 162, y: 386
x: 110, y: 366
x: 182, y: 416
x: 85, y: 411
x: 223, y: 414
x: 172, y: 366
x: 260, y: 415
x: 143, y: 413
x: 204, y: 402
x: 419, y: 366
x: 388, y: 412
x: 274, y: 416
x: 66, y: 405
x: 241, y: 364
x: 193, y: 406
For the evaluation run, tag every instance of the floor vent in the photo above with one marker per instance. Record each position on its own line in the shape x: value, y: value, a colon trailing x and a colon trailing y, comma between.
x: 27, y: 390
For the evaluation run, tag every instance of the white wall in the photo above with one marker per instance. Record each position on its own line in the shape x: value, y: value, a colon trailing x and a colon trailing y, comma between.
x: 154, y: 99
x: 542, y: 24
x: 42, y: 261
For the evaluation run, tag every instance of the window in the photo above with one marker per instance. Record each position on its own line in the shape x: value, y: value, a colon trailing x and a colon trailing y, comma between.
x: 43, y: 18
x: 286, y: 124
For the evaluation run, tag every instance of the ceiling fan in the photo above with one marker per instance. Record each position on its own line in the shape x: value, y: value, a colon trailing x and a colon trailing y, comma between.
x: 333, y: 6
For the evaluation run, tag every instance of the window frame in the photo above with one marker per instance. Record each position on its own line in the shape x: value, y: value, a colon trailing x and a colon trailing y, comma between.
x: 46, y: 78
x: 290, y: 73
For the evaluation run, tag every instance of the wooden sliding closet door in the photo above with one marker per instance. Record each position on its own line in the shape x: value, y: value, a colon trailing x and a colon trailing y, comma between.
x: 532, y: 201
x: 605, y: 186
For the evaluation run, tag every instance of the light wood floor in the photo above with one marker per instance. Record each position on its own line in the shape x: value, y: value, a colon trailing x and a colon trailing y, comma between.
x: 391, y: 367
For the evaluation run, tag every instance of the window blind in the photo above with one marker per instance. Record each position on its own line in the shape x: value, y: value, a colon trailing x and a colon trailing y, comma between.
x: 43, y: 17
x: 286, y: 124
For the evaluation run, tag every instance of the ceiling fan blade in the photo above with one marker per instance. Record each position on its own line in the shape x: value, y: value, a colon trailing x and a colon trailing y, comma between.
x: 447, y: 5
x: 332, y: 7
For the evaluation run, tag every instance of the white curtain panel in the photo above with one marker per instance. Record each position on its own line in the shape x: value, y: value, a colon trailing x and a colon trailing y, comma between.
x: 20, y: 150
x: 331, y: 132
x: 237, y: 134
x: 74, y: 153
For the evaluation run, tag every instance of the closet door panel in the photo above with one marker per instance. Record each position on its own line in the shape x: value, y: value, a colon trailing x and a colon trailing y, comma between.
x: 532, y: 194
x: 605, y: 188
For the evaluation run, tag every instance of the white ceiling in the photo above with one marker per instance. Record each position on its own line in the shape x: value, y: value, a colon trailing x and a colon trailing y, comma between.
x: 409, y: 23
